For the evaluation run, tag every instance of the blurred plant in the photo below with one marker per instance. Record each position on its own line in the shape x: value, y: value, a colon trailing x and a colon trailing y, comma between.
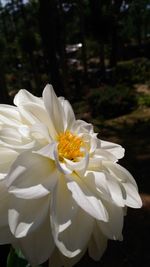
x: 144, y: 100
x: 132, y: 71
x: 109, y: 102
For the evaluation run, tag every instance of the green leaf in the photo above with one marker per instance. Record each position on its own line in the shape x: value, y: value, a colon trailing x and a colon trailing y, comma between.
x: 16, y: 259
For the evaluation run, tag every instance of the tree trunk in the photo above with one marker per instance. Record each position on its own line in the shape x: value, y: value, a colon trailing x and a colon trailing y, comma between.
x: 48, y: 20
x: 82, y: 32
x: 4, y: 97
x: 62, y: 48
x: 114, y: 45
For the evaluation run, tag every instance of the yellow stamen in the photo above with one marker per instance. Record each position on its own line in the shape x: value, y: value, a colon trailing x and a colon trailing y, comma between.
x: 69, y: 146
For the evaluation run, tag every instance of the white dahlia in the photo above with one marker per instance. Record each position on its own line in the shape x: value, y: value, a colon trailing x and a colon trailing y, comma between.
x: 65, y: 193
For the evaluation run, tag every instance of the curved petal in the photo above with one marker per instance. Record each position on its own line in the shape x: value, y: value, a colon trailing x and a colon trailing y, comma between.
x: 65, y: 216
x: 95, y: 164
x: 115, y: 190
x: 113, y: 228
x: 9, y: 115
x: 23, y: 97
x: 63, y: 207
x: 86, y: 199
x: 7, y: 157
x: 97, y: 244
x: 31, y: 169
x: 61, y: 166
x: 25, y: 216
x: 47, y: 151
x: 78, y: 166
x: 35, y: 113
x: 119, y: 172
x: 93, y: 145
x: 33, y: 192
x: 115, y: 149
x: 80, y: 127
x: 73, y: 240
x: 68, y: 114
x: 40, y: 131
x: 13, y: 139
x: 54, y: 108
x: 133, y: 199
x: 127, y: 183
x: 38, y: 246
x: 104, y: 155
x: 97, y: 182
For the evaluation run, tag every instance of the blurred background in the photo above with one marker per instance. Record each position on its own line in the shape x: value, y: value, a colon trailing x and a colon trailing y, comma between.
x: 96, y: 53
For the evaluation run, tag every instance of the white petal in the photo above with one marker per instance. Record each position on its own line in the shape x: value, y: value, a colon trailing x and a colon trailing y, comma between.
x: 120, y: 173
x: 115, y: 149
x: 97, y: 182
x: 47, y: 151
x: 34, y: 113
x: 113, y: 228
x: 23, y: 97
x: 97, y: 244
x: 61, y: 166
x: 93, y: 145
x: 73, y: 240
x: 31, y: 169
x: 104, y: 155
x: 7, y: 157
x: 38, y: 246
x: 40, y: 131
x: 10, y: 116
x: 33, y: 192
x: 127, y: 183
x: 86, y: 198
x: 68, y: 112
x: 133, y: 199
x: 81, y: 126
x: 63, y: 207
x: 10, y: 136
x: 79, y: 166
x: 13, y: 139
x: 95, y: 164
x: 115, y: 190
x: 65, y: 216
x: 54, y: 108
x: 25, y: 216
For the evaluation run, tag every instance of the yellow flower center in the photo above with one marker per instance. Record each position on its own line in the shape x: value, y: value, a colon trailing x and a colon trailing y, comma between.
x: 69, y: 146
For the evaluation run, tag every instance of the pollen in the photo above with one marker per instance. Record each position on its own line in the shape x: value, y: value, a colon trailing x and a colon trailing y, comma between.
x: 69, y: 146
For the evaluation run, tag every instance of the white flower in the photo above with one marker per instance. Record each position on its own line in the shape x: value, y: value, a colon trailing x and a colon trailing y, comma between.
x: 67, y: 193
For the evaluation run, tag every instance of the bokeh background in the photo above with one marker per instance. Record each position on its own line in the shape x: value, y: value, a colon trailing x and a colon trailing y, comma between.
x: 96, y: 53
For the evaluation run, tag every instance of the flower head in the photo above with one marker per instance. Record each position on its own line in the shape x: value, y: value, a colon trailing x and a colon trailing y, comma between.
x: 66, y: 193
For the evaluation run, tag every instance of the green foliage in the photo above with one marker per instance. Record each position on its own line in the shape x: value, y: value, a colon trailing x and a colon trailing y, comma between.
x: 133, y: 71
x: 110, y: 102
x: 16, y: 259
x: 144, y: 100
